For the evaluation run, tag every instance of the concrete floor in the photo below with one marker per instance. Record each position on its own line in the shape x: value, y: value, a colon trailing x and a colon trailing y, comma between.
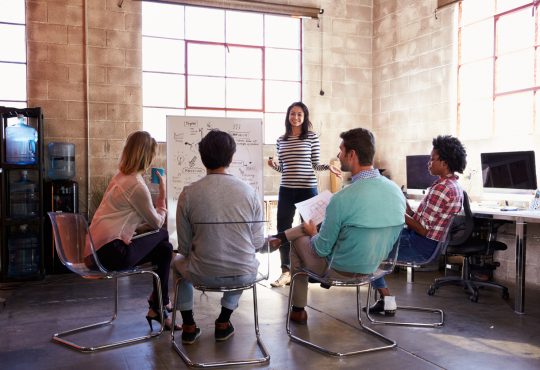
x: 483, y: 335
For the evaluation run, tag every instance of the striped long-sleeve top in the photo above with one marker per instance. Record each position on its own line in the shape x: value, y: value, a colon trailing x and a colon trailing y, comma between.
x: 298, y: 161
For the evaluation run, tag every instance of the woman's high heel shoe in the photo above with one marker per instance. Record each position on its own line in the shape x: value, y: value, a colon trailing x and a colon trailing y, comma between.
x: 168, y: 307
x: 150, y: 318
x: 167, y: 324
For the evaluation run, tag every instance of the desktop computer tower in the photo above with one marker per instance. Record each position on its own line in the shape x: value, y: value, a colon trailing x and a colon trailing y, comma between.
x: 59, y: 195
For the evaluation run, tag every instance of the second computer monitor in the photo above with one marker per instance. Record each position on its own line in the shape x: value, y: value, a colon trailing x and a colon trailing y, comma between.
x: 418, y: 176
x: 509, y: 172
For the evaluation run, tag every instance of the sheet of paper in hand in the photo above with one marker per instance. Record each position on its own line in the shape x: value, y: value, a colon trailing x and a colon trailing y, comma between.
x: 314, y: 208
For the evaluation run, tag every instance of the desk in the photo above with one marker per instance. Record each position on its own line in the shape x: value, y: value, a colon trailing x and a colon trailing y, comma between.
x: 520, y: 219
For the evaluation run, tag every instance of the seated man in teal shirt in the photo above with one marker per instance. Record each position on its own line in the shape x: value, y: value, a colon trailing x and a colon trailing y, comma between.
x: 371, y: 201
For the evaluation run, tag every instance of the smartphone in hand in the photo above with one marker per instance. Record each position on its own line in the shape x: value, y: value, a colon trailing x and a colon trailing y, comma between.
x: 154, y: 171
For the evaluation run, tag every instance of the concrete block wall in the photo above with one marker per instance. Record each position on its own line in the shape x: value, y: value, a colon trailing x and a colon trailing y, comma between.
x: 414, y: 90
x: 57, y: 78
x: 56, y: 73
x: 413, y: 79
x: 57, y: 62
x: 343, y: 73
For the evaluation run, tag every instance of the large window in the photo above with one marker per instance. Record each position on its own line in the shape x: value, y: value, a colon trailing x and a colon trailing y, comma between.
x: 213, y: 62
x: 12, y: 53
x: 499, y: 66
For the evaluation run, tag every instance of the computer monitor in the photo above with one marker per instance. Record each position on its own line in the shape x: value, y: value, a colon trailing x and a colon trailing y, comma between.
x: 509, y: 172
x: 418, y: 176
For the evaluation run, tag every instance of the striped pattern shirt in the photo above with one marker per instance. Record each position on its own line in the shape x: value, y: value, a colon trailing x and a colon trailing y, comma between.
x: 298, y: 161
x: 443, y: 200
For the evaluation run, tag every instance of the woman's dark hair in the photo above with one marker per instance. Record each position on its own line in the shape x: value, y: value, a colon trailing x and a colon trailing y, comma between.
x: 362, y: 142
x: 217, y: 149
x: 451, y: 151
x: 306, y: 125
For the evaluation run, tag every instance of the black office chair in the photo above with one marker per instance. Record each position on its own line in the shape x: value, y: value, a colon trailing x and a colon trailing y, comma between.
x: 467, y: 242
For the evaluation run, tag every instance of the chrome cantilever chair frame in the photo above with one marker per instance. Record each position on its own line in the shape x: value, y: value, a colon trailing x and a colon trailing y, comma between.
x: 438, y: 323
x: 79, y: 235
x: 440, y: 249
x: 386, y: 267
x: 203, y: 288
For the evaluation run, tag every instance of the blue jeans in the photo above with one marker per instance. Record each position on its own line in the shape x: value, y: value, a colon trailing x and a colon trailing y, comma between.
x: 229, y: 299
x: 412, y: 248
x: 185, y: 291
x: 285, y: 215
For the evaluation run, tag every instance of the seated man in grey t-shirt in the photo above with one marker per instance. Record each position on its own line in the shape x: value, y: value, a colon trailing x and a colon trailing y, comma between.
x: 219, y: 225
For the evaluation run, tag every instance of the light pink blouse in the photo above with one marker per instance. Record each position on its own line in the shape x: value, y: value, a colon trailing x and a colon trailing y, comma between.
x: 126, y: 206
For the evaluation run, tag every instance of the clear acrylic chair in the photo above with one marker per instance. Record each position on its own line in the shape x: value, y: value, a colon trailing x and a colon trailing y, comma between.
x: 377, y: 238
x: 71, y: 234
x: 262, y: 274
x: 410, y: 266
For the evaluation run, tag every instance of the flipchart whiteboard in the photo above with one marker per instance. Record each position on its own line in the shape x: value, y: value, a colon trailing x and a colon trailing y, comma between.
x: 184, y: 165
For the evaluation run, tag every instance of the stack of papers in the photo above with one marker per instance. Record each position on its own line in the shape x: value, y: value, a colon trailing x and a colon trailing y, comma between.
x: 314, y: 208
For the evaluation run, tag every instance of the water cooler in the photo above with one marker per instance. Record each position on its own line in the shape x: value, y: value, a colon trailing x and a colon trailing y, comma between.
x: 60, y: 194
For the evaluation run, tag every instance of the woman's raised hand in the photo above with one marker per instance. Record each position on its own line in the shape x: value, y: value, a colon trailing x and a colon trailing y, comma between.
x: 161, y: 201
x: 161, y: 184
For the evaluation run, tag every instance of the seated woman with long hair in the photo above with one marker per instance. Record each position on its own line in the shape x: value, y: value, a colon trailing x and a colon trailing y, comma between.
x: 126, y: 209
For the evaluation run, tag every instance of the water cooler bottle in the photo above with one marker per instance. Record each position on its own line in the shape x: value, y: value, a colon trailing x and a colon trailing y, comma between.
x: 60, y: 194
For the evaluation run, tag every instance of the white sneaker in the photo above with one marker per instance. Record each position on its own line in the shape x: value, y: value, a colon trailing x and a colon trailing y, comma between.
x: 284, y: 279
x: 390, y: 305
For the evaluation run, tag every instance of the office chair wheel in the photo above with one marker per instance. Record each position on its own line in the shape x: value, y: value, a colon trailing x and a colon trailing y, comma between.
x: 505, y: 294
x: 474, y: 296
x: 431, y: 290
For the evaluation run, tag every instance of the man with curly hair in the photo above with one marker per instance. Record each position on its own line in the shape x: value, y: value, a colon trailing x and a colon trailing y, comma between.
x: 428, y: 225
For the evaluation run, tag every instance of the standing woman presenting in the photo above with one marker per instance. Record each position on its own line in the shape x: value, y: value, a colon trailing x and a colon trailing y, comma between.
x: 299, y: 154
x: 127, y: 209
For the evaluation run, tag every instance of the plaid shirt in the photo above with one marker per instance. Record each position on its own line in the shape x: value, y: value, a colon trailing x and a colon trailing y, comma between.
x: 443, y: 200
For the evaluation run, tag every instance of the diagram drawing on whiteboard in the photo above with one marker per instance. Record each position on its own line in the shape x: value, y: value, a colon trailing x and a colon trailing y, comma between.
x: 184, y: 165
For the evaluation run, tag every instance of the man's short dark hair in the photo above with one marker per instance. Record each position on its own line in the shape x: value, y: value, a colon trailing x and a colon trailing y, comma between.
x: 217, y: 149
x: 451, y: 151
x: 362, y: 142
